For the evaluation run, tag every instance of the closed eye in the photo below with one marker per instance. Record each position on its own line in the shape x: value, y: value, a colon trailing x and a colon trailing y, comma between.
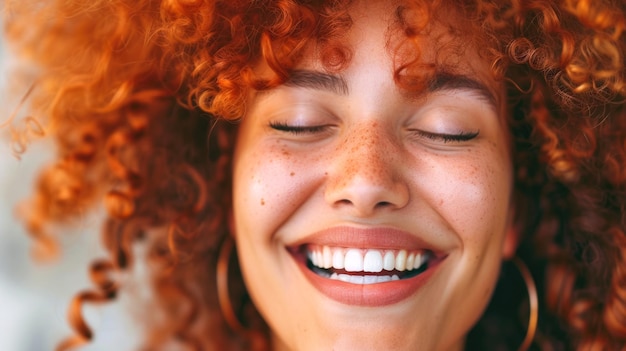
x: 445, y: 137
x: 294, y: 129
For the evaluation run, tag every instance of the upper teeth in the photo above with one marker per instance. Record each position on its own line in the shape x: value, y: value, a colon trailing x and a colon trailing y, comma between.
x: 366, y: 260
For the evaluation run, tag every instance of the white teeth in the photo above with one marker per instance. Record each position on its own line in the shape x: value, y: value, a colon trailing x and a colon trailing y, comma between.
x: 389, y: 261
x: 353, y: 261
x: 419, y: 260
x: 373, y: 261
x: 382, y: 278
x: 317, y: 258
x: 354, y: 279
x: 338, y: 259
x: 401, y: 260
x: 410, y: 260
x: 370, y: 279
x: 342, y: 277
x: 364, y: 260
x: 357, y: 279
x: 364, y: 279
x: 327, y: 256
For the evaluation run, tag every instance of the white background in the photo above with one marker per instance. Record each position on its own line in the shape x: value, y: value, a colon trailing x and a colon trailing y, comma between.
x: 34, y: 296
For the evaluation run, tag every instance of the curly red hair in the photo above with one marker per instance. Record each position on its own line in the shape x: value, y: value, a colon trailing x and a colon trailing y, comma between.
x: 120, y: 79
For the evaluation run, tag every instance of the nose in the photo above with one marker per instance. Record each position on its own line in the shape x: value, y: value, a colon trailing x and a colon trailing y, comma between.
x: 365, y: 174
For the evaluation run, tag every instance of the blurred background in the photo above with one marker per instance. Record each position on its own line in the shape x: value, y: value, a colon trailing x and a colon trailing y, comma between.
x: 34, y: 296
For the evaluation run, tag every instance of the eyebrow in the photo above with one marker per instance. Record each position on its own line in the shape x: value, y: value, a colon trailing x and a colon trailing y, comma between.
x: 443, y: 81
x: 318, y: 81
x: 440, y: 81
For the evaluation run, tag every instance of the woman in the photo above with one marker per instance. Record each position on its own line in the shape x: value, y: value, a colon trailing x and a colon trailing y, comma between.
x: 388, y: 159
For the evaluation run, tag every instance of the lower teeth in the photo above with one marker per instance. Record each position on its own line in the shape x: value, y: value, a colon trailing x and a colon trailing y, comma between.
x: 364, y: 279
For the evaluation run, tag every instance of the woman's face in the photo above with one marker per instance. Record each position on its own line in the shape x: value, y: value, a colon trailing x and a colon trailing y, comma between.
x: 367, y: 217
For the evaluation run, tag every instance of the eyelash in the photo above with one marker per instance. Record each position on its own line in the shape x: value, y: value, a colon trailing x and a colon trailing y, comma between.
x: 283, y: 127
x: 446, y: 138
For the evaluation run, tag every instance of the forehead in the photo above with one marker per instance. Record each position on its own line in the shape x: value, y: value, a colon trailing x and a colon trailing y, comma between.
x: 421, y: 50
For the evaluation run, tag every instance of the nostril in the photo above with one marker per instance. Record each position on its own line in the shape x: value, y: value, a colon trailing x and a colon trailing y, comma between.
x: 380, y: 204
x: 363, y: 195
x: 344, y: 202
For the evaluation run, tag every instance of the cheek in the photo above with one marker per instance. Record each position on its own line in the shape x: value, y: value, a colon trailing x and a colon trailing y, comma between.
x: 473, y: 196
x: 268, y: 184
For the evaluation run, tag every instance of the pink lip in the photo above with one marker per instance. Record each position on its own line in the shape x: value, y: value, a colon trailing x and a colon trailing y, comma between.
x: 369, y: 295
x: 366, y: 238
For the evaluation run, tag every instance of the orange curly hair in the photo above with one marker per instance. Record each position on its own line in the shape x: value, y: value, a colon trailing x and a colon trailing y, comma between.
x: 119, y: 79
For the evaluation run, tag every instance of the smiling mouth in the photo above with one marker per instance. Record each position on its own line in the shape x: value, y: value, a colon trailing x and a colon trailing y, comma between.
x: 365, y: 266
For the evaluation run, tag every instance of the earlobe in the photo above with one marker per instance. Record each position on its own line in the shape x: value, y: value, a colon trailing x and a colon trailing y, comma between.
x: 511, y: 241
x: 512, y: 235
x: 231, y: 223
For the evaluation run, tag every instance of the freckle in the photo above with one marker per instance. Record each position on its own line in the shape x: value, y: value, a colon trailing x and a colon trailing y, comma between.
x: 262, y: 202
x: 292, y: 174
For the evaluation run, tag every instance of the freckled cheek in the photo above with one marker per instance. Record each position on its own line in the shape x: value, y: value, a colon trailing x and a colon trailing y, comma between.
x: 475, y: 198
x: 269, y: 184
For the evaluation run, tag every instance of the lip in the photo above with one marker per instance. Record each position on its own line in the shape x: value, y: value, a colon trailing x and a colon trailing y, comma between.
x: 368, y: 295
x: 366, y: 238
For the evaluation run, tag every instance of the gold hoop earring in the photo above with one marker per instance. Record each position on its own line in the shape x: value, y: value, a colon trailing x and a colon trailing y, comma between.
x: 534, y: 303
x: 257, y: 340
x: 223, y: 296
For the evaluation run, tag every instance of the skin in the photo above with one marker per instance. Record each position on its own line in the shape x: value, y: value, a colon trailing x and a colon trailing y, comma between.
x: 368, y: 166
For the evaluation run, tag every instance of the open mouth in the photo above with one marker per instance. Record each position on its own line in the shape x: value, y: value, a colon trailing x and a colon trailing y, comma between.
x: 365, y: 266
